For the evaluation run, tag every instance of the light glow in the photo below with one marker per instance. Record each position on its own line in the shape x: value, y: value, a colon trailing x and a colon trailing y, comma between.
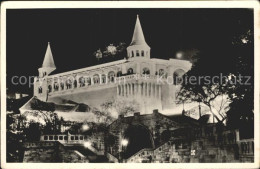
x: 124, y: 142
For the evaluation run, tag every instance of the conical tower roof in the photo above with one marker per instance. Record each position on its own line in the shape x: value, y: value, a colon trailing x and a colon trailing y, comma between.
x: 138, y: 36
x: 48, y: 61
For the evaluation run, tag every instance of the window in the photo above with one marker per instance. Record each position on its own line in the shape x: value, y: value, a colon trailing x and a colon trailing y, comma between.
x: 68, y: 84
x: 103, y: 78
x: 142, y: 53
x: 119, y: 73
x: 96, y: 79
x: 81, y: 82
x: 137, y: 53
x: 111, y: 76
x: 40, y: 90
x: 133, y: 54
x: 45, y: 138
x: 56, y: 86
x: 72, y: 137
x: 76, y: 137
x: 55, y: 137
x: 81, y: 137
x: 89, y: 81
x: 75, y: 83
x: 130, y: 71
x: 65, y: 137
x: 62, y: 85
x: 50, y: 88
x: 60, y: 137
x: 50, y: 137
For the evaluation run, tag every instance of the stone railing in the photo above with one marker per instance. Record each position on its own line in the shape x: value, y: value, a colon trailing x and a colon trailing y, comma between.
x: 246, y: 146
x: 37, y: 144
x: 64, y: 139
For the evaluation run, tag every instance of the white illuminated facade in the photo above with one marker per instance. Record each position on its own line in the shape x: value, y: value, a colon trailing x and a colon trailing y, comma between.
x: 149, y: 81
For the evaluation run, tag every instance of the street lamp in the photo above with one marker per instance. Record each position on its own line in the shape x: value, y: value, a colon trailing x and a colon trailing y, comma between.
x: 85, y: 127
x: 87, y: 144
x: 124, y: 143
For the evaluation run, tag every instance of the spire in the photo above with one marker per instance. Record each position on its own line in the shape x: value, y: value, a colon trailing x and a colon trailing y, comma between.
x: 48, y: 61
x: 138, y: 36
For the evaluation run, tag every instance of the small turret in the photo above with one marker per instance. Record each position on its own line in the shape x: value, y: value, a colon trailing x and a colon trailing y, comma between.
x: 138, y: 48
x: 48, y: 65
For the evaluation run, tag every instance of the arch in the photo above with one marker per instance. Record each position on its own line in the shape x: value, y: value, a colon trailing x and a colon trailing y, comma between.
x: 161, y: 72
x: 81, y: 81
x: 103, y: 78
x: 62, y: 85
x: 130, y: 71
x: 89, y: 81
x: 75, y: 83
x: 111, y: 76
x: 119, y: 73
x: 40, y: 89
x: 137, y: 53
x: 68, y: 83
x: 96, y: 79
x: 142, y: 53
x: 50, y: 88
x: 139, y: 137
x: 146, y: 71
x: 177, y: 76
x: 56, y: 86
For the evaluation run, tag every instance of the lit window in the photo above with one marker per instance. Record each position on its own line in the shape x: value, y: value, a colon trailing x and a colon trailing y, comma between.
x: 137, y: 53
x: 142, y: 53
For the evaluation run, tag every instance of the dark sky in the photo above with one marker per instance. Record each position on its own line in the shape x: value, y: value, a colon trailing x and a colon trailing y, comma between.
x: 76, y: 33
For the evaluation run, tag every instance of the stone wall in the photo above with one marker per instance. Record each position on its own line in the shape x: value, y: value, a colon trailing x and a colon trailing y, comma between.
x: 50, y: 152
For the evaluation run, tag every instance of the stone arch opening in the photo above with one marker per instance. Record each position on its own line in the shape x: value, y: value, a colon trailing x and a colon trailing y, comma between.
x: 130, y: 71
x: 119, y: 73
x: 146, y: 71
x: 96, y: 79
x: 139, y: 137
x: 111, y: 76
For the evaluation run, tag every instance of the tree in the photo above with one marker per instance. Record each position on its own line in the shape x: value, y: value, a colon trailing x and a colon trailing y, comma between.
x: 111, y: 52
x: 229, y: 90
x: 213, y: 95
x: 241, y: 113
x: 121, y: 106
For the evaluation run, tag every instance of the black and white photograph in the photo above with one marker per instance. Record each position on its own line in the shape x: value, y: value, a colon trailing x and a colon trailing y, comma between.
x: 114, y: 84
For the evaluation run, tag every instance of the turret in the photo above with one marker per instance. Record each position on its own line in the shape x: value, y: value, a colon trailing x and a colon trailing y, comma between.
x: 138, y: 48
x: 48, y: 65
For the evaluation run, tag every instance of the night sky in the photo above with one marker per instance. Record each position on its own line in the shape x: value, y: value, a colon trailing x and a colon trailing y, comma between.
x: 76, y: 33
